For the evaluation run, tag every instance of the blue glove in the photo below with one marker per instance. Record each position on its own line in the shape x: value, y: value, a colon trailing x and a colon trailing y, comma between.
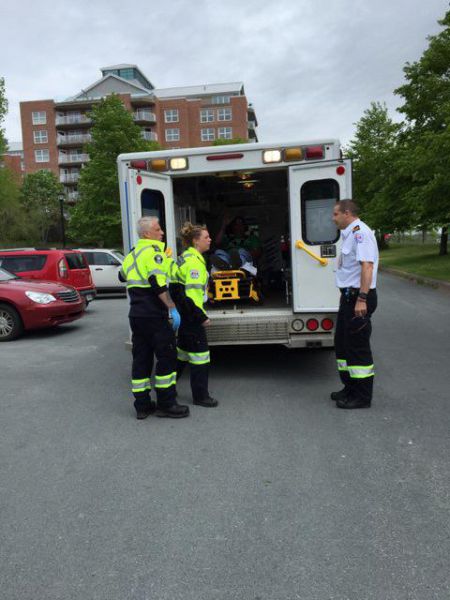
x: 176, y: 318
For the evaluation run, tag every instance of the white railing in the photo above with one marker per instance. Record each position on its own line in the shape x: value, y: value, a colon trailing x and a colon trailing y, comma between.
x: 150, y: 136
x: 144, y: 115
x: 72, y: 158
x: 74, y: 138
x: 71, y: 119
x: 69, y: 177
x: 73, y: 196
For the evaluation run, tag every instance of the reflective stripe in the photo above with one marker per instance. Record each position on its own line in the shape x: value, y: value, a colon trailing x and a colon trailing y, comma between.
x: 341, y: 365
x: 199, y: 358
x: 182, y: 355
x: 361, y: 372
x: 140, y: 385
x: 138, y: 282
x: 157, y: 272
x: 165, y: 381
x: 194, y: 286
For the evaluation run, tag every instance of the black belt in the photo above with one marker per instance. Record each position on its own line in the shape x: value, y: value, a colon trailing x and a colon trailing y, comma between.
x: 352, y: 290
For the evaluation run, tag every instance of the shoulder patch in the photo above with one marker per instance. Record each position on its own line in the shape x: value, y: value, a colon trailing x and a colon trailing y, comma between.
x: 194, y: 274
x: 359, y: 238
x: 356, y: 228
x: 158, y: 259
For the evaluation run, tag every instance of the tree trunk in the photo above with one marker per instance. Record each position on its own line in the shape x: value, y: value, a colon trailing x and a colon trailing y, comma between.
x: 443, y: 246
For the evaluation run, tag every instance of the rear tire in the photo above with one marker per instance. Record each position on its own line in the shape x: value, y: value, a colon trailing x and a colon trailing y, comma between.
x: 11, y: 325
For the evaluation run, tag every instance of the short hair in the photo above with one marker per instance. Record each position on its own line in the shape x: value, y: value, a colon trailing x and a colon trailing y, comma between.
x: 350, y: 205
x: 144, y: 224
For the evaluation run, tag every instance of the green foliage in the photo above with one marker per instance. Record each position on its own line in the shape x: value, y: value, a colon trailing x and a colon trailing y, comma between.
x: 224, y: 142
x: 40, y: 201
x: 96, y: 216
x: 3, y: 111
x: 12, y: 221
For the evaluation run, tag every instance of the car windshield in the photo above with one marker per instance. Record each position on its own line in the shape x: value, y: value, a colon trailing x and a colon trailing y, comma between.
x: 6, y: 275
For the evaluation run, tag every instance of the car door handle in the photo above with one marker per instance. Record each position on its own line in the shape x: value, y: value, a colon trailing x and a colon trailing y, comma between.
x: 99, y: 269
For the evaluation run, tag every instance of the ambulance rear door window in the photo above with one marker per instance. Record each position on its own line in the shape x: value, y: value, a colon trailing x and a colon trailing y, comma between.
x: 318, y: 198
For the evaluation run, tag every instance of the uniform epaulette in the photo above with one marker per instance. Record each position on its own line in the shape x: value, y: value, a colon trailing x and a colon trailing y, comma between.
x: 156, y: 248
x: 356, y: 228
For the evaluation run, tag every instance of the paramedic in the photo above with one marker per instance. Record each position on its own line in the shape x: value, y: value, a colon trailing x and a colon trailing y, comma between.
x: 192, y: 340
x: 356, y: 277
x: 145, y: 272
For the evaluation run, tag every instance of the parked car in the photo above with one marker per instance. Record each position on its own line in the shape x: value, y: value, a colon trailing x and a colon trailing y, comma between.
x: 32, y: 304
x: 105, y: 264
x: 68, y: 267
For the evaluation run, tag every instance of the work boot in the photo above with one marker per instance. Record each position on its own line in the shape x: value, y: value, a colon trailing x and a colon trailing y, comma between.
x: 208, y: 402
x: 146, y: 411
x: 350, y: 402
x: 176, y: 411
x: 341, y: 395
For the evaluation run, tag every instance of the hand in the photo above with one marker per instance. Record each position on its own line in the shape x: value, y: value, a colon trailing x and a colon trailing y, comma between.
x: 176, y: 318
x: 360, y: 308
x: 206, y: 323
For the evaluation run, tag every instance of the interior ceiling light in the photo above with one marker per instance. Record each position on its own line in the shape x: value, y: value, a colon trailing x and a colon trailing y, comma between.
x: 244, y: 181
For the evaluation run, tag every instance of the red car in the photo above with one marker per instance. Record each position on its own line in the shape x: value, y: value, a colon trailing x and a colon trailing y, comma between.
x: 27, y: 304
x: 68, y: 267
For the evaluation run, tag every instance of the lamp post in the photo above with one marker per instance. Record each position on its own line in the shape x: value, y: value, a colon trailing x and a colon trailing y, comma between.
x: 61, y: 198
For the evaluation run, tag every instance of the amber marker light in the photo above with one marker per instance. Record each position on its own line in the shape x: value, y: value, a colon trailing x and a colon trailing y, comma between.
x: 158, y: 164
x: 293, y: 154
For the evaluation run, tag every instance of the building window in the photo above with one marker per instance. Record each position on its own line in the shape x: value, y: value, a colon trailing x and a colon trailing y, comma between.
x: 39, y: 118
x: 225, y: 133
x: 172, y: 135
x: 41, y: 156
x: 208, y: 135
x: 206, y: 115
x: 40, y: 137
x: 224, y: 114
x: 171, y: 116
x: 220, y: 100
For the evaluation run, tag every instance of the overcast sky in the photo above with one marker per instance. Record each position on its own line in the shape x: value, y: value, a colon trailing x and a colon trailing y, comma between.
x: 310, y: 67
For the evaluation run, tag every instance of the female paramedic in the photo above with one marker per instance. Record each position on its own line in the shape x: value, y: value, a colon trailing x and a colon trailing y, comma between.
x: 192, y: 343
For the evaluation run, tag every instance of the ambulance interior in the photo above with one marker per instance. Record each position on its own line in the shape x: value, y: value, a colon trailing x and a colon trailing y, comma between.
x: 261, y: 198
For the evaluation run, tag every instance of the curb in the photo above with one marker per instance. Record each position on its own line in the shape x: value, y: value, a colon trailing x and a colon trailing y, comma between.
x: 437, y: 284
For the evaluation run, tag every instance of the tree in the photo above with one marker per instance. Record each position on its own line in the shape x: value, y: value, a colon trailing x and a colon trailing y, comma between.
x: 426, y: 96
x: 224, y: 142
x: 40, y: 201
x: 374, y: 151
x: 96, y: 216
x: 3, y: 111
x: 12, y: 221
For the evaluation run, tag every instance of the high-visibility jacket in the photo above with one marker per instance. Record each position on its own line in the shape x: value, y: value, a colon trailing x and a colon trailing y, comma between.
x: 193, y: 275
x: 146, y: 272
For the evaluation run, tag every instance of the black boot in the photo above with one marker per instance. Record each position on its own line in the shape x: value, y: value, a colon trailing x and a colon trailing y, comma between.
x: 145, y: 411
x: 208, y: 402
x: 176, y: 411
x: 351, y: 402
x: 341, y: 395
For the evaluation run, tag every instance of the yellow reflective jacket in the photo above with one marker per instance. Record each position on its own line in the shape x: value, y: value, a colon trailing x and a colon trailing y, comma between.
x: 193, y: 275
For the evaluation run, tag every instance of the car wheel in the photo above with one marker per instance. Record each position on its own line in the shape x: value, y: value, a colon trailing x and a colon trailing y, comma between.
x: 11, y: 325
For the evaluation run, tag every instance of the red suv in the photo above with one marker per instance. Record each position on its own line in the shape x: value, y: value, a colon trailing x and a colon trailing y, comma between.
x: 68, y: 267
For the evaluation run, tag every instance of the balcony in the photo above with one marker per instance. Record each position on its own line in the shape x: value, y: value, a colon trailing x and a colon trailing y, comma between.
x: 251, y: 125
x: 71, y: 120
x: 65, y: 159
x: 72, y: 197
x: 144, y: 116
x: 150, y: 136
x: 69, y: 177
x: 73, y: 139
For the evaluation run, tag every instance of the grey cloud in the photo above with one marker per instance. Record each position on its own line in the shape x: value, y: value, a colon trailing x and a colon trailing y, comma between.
x: 310, y: 68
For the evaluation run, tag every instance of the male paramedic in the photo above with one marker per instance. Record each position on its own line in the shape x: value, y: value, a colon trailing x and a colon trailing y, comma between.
x: 145, y: 270
x: 356, y: 277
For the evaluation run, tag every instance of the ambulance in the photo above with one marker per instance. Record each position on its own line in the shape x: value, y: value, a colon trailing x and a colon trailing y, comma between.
x: 285, y: 193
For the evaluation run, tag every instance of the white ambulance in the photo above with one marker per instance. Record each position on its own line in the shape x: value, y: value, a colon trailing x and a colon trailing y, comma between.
x: 285, y: 193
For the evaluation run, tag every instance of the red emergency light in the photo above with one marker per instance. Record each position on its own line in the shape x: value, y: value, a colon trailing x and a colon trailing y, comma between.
x: 228, y: 156
x: 312, y: 324
x: 314, y: 152
x: 138, y: 164
x: 327, y: 324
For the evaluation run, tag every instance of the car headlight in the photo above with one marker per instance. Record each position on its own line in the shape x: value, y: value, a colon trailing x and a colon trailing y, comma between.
x: 40, y: 298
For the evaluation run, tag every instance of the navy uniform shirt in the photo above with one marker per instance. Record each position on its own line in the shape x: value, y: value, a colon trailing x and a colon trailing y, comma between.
x: 358, y: 245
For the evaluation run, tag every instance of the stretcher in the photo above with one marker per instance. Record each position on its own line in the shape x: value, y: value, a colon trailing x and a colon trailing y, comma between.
x: 232, y: 285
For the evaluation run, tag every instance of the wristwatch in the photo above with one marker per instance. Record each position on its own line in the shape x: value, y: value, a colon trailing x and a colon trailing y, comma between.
x: 362, y: 296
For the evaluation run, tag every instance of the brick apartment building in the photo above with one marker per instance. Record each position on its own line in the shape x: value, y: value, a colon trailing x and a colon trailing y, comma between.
x: 54, y: 133
x: 13, y: 159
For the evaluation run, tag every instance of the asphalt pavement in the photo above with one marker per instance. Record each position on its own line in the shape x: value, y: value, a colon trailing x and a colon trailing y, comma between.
x: 274, y: 495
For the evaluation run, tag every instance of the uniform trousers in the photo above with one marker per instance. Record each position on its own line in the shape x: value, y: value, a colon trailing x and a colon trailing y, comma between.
x: 192, y: 348
x: 352, y: 344
x: 153, y: 337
